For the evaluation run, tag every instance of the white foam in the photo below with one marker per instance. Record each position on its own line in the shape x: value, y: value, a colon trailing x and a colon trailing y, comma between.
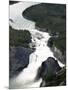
x: 42, y: 52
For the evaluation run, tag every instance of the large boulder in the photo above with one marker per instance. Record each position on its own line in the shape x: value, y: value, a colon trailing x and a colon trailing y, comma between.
x: 51, y: 73
x: 18, y: 59
x: 48, y: 69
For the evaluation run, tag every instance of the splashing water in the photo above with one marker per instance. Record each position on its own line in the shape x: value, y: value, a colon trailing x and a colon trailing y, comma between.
x: 27, y: 77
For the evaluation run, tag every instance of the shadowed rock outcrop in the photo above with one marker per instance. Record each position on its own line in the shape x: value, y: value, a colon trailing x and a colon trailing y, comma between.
x: 51, y: 73
x: 48, y: 69
x: 58, y: 80
x: 19, y: 59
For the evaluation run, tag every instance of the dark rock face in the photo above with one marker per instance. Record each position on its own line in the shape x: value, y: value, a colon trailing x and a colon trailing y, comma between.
x: 18, y: 60
x: 58, y: 80
x: 49, y: 68
x: 51, y: 73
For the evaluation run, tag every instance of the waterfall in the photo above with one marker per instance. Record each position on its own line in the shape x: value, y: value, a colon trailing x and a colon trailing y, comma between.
x: 27, y: 77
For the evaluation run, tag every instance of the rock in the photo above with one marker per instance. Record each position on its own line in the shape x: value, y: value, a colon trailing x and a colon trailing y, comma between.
x: 49, y: 68
x: 51, y: 73
x: 18, y: 60
x: 59, y: 80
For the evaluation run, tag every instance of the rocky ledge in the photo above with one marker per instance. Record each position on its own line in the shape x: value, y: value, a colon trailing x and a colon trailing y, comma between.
x: 51, y: 73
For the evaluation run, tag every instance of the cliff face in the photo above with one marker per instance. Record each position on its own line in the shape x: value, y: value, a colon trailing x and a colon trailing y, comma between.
x: 19, y: 59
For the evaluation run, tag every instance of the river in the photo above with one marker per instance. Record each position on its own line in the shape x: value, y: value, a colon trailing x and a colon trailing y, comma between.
x: 27, y: 77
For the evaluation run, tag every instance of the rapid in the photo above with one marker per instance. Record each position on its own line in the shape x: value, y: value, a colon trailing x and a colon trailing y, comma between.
x: 27, y: 77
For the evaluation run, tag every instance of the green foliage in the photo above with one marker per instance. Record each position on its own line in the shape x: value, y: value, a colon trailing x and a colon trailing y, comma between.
x: 19, y: 37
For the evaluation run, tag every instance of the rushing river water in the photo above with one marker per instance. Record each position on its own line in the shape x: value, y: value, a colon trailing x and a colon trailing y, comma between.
x: 27, y: 77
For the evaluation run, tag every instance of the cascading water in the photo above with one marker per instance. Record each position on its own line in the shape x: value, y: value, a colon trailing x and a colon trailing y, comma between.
x: 27, y: 77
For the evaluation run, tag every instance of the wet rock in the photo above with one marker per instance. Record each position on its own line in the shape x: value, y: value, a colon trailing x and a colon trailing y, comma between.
x: 18, y: 60
x: 59, y: 79
x: 48, y: 69
x: 51, y: 73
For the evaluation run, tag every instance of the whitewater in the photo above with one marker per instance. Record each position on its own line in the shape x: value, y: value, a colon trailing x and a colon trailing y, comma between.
x: 27, y: 77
